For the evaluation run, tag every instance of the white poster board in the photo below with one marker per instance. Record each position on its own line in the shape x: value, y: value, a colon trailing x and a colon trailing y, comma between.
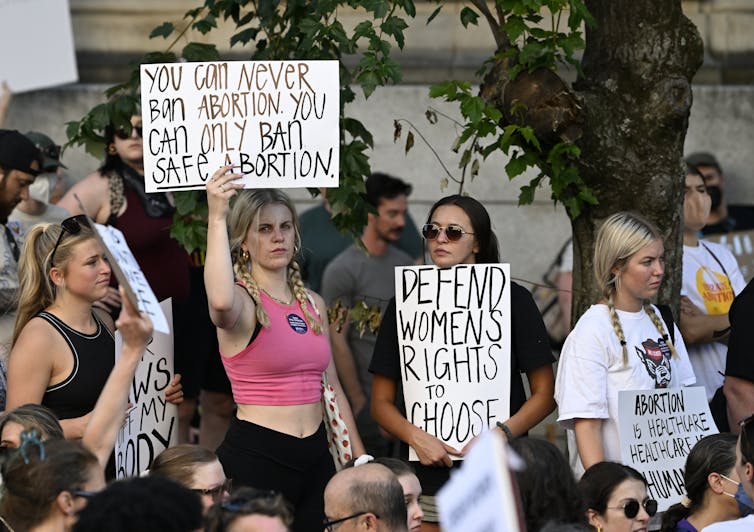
x: 152, y: 422
x: 36, y: 40
x: 741, y: 244
x: 129, y: 274
x: 277, y: 121
x: 454, y: 331
x: 481, y: 496
x: 658, y: 429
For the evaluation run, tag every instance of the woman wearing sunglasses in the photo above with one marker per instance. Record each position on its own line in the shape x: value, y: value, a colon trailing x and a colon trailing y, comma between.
x: 621, y: 343
x: 615, y: 496
x: 459, y: 231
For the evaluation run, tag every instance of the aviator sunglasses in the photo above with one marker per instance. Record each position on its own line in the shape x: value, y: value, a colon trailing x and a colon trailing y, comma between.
x: 452, y: 232
x: 631, y: 508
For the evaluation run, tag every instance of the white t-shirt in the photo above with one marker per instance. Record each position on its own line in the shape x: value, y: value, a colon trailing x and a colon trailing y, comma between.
x: 711, y: 287
x: 591, y: 371
x: 744, y: 524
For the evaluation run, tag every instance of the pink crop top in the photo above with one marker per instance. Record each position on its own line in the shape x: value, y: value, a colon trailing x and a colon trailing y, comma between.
x: 283, y: 365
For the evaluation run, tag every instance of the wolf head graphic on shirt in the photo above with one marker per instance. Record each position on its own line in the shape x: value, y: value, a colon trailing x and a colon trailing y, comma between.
x: 656, y: 359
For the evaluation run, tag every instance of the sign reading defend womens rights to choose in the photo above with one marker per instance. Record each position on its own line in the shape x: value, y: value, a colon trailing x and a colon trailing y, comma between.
x: 276, y: 121
x: 454, y: 333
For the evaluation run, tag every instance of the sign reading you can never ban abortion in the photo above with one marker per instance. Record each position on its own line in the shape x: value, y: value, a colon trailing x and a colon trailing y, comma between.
x: 454, y: 337
x: 152, y: 422
x: 277, y: 121
x: 658, y: 429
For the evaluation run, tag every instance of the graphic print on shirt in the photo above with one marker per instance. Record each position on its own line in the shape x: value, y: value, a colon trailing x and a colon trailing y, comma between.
x: 715, y: 290
x: 656, y: 359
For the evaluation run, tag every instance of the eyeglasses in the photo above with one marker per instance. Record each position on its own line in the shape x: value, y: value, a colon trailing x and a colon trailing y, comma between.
x: 71, y: 225
x: 217, y: 492
x: 452, y: 232
x: 631, y: 508
x: 123, y: 134
x: 746, y: 451
x: 329, y: 524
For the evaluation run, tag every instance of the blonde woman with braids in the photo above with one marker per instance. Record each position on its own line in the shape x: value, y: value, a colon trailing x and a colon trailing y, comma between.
x: 274, y: 346
x: 621, y: 343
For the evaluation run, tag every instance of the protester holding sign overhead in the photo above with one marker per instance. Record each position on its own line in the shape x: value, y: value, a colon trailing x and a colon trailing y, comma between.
x: 459, y: 231
x: 621, y: 343
x: 274, y: 346
x: 63, y: 348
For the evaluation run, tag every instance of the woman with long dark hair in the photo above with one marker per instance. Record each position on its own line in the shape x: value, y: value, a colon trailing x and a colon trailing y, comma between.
x: 459, y: 231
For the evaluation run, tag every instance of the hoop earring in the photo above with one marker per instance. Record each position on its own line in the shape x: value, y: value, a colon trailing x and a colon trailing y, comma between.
x: 111, y: 149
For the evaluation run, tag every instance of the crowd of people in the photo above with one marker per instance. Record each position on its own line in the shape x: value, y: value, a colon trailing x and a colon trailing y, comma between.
x: 254, y: 346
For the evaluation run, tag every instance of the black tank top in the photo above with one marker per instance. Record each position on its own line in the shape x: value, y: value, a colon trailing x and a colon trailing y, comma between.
x: 93, y: 360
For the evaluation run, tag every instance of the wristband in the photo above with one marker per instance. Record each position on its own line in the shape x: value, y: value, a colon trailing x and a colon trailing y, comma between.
x: 506, y: 430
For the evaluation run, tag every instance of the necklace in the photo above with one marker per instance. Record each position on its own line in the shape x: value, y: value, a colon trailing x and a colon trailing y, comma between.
x: 281, y: 301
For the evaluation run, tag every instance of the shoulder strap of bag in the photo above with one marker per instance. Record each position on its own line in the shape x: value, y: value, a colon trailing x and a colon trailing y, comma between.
x: 667, y: 317
x: 716, y: 259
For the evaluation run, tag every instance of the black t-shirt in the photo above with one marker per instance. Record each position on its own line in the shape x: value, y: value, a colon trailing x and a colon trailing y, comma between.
x: 740, y: 218
x: 740, y: 362
x: 530, y: 349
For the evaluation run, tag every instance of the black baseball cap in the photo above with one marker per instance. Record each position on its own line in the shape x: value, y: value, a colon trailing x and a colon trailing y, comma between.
x: 18, y: 153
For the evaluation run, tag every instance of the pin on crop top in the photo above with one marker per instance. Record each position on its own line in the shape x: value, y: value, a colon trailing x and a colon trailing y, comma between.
x: 283, y: 365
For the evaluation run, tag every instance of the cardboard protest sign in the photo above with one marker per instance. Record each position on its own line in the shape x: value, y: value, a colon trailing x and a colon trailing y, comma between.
x: 658, y: 429
x: 152, y: 423
x: 277, y: 121
x: 741, y: 244
x: 37, y: 44
x: 130, y: 276
x: 454, y: 336
x: 481, y: 496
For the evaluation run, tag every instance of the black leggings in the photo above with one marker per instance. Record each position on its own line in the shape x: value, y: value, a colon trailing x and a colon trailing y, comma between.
x: 299, y: 468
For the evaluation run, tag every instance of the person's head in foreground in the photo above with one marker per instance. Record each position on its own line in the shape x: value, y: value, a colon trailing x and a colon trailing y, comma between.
x: 28, y: 417
x: 250, y: 510
x: 142, y: 504
x: 367, y: 497
x: 196, y: 468
x: 711, y: 482
x: 45, y: 485
x: 546, y: 485
x: 615, y: 498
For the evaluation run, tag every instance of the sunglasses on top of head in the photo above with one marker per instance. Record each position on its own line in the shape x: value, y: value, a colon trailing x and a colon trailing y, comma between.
x: 452, y: 232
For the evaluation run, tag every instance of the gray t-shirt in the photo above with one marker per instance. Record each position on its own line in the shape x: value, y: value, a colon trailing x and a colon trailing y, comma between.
x: 353, y: 276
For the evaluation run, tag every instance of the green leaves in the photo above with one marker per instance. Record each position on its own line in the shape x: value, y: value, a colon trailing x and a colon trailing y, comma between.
x: 469, y: 16
x: 163, y: 30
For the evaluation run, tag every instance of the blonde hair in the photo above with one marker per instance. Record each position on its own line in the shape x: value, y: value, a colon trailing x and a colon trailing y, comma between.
x: 245, y: 212
x: 36, y: 290
x: 621, y: 236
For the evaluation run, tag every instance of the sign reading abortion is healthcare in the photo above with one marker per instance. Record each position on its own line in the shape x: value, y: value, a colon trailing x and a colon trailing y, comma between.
x: 276, y: 121
x: 658, y: 429
x: 454, y: 336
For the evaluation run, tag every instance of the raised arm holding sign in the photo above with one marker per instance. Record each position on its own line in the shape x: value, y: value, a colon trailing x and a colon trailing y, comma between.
x: 454, y: 343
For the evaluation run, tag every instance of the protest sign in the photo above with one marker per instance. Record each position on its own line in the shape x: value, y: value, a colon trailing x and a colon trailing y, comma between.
x: 37, y: 44
x: 454, y: 336
x: 741, y: 244
x: 276, y: 121
x: 481, y: 496
x: 129, y: 275
x: 658, y: 429
x: 152, y: 422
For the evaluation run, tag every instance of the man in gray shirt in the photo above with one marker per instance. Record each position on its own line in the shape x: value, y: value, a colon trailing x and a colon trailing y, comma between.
x: 356, y: 278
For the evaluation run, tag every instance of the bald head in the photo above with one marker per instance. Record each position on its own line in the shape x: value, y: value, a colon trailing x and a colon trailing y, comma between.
x: 372, y: 489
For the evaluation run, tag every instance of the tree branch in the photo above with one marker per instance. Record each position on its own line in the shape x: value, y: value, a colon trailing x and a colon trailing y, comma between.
x: 501, y: 39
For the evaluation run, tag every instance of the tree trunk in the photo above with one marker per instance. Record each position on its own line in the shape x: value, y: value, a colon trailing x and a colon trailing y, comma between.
x: 636, y: 92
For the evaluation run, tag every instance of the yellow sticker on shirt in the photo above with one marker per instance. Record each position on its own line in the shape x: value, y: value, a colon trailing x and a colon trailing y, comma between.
x: 715, y: 290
